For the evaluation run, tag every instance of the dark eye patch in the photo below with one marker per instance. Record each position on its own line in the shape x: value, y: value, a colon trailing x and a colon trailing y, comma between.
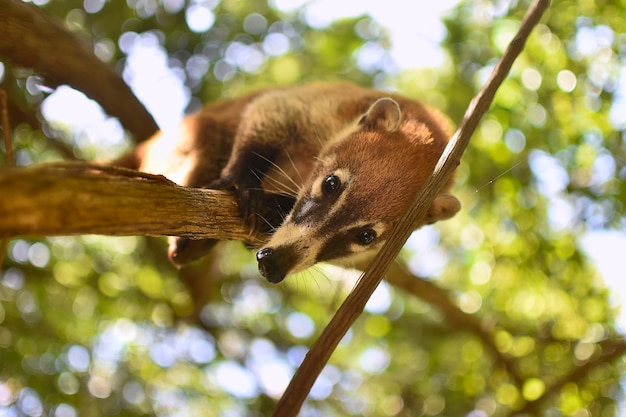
x: 343, y: 243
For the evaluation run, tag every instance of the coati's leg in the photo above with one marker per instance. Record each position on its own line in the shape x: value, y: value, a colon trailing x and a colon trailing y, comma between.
x: 183, y: 250
x: 210, y: 144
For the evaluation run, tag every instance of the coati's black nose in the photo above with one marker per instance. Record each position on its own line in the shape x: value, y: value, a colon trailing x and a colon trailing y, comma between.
x: 270, y: 265
x: 261, y: 255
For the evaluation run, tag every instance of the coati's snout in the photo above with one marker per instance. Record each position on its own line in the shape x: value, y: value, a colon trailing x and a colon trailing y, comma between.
x: 274, y: 264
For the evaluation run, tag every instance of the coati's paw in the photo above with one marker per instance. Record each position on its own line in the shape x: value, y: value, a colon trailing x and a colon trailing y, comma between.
x: 249, y: 199
x: 183, y: 250
x: 262, y: 212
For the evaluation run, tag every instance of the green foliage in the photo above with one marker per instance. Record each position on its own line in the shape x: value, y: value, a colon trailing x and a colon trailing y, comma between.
x: 104, y: 326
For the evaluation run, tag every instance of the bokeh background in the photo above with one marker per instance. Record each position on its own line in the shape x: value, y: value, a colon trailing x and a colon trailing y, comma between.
x: 516, y: 304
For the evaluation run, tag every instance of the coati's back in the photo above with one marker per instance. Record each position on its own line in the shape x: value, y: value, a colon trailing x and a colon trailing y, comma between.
x: 345, y: 160
x: 194, y: 153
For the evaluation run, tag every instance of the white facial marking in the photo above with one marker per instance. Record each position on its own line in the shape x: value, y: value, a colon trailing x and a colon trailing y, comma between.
x: 306, y: 207
x: 346, y: 179
x: 301, y: 240
x: 344, y: 175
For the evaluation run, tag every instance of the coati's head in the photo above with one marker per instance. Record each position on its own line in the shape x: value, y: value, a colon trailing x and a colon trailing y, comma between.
x: 362, y: 184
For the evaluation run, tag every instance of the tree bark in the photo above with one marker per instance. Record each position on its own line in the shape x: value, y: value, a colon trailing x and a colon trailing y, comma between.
x: 71, y: 199
x: 33, y: 39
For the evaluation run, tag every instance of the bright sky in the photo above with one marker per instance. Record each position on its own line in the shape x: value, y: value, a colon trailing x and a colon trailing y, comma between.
x: 415, y: 38
x: 607, y: 250
x: 415, y: 31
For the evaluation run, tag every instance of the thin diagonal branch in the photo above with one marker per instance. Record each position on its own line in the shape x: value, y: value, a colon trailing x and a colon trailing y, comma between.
x: 300, y: 385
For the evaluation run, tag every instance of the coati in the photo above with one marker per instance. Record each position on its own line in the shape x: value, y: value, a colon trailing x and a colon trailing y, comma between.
x: 326, y: 168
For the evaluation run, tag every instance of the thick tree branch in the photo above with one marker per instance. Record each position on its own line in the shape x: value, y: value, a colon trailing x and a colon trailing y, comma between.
x: 300, y: 385
x: 33, y: 39
x: 68, y: 199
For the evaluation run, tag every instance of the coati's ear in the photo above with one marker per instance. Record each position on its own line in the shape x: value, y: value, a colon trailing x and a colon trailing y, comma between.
x: 444, y: 207
x: 383, y: 114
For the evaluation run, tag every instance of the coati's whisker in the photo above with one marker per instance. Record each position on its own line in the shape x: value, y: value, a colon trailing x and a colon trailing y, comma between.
x: 283, y: 187
x: 499, y: 176
x: 272, y: 227
x: 297, y: 170
x: 280, y: 169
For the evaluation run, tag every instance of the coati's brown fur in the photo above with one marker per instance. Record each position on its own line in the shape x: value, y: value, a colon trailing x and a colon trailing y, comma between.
x: 342, y: 163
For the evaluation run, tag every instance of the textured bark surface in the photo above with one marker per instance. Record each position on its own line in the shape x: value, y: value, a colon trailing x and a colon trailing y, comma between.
x: 70, y: 199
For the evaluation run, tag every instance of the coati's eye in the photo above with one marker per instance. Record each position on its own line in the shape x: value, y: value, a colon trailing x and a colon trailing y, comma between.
x: 365, y: 237
x: 331, y: 184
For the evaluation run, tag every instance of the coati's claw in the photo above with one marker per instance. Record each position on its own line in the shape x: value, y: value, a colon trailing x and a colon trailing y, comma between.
x: 224, y: 183
x: 262, y: 212
x: 249, y: 200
